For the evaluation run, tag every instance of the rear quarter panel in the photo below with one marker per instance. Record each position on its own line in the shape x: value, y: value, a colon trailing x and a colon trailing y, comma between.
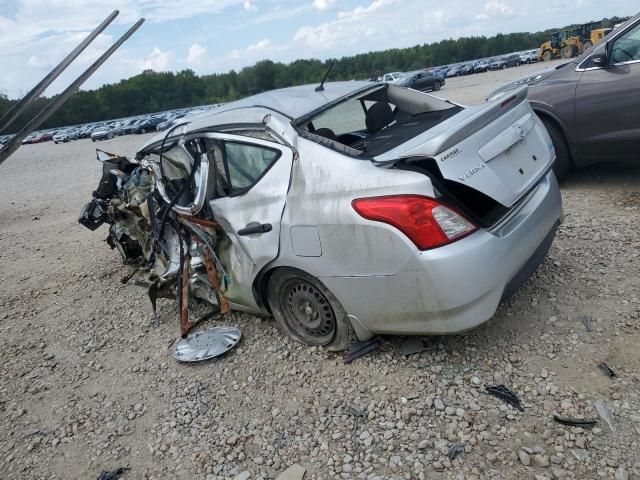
x: 323, y: 185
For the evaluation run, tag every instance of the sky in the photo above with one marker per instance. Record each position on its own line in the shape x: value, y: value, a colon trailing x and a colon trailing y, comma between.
x: 212, y: 36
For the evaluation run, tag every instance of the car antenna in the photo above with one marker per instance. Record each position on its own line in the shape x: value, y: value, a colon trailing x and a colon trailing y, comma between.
x: 320, y: 87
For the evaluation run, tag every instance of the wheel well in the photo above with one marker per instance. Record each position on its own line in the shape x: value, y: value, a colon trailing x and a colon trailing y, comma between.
x: 261, y: 288
x: 545, y: 116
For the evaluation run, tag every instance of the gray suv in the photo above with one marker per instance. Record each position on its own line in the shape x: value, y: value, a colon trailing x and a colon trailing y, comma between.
x: 591, y: 105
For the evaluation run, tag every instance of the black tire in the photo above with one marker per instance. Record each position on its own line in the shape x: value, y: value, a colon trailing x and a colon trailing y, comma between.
x: 306, y: 311
x: 504, y: 67
x: 546, y: 56
x: 436, y: 86
x: 562, y: 166
x: 143, y: 131
x: 568, y: 51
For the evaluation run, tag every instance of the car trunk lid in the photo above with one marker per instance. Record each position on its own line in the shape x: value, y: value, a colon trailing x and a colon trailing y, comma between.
x: 500, y: 148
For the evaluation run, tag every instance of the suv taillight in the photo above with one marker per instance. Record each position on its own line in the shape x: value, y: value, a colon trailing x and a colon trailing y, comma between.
x: 426, y: 222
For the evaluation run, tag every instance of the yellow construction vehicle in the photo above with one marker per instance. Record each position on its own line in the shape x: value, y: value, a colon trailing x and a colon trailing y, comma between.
x: 569, y: 43
x: 551, y: 48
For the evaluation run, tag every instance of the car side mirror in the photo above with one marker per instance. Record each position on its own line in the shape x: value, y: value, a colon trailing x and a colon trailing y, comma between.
x: 600, y: 55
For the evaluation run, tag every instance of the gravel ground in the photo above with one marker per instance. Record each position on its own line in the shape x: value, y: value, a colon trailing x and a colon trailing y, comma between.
x: 87, y: 385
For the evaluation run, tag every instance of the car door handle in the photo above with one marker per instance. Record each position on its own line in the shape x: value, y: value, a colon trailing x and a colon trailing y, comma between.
x: 255, y: 227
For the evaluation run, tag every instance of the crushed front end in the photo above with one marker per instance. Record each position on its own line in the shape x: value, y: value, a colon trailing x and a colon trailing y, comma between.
x: 178, y: 253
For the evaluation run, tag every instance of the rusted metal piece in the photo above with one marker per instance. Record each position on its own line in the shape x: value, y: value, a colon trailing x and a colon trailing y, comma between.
x: 200, y: 221
x: 185, y: 324
x: 215, y: 282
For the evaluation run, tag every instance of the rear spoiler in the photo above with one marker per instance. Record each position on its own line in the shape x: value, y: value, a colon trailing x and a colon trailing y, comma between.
x: 9, y: 117
x: 432, y: 142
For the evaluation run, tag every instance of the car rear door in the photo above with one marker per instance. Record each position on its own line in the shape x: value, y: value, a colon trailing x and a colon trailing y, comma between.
x: 608, y: 101
x: 255, y: 175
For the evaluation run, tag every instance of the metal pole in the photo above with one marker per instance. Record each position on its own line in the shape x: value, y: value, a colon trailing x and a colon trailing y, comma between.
x: 58, y: 101
x: 9, y: 117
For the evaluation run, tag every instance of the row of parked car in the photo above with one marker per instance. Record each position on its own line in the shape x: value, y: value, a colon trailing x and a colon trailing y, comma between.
x: 107, y: 130
x: 434, y: 78
x: 494, y: 63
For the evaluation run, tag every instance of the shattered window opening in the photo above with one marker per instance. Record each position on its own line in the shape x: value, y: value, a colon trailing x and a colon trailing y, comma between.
x: 247, y: 164
x: 344, y: 118
x: 378, y: 121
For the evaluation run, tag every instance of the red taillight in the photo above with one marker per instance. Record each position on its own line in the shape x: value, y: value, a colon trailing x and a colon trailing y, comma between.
x: 426, y: 222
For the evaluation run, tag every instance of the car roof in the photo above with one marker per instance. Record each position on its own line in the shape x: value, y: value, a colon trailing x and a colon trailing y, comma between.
x: 296, y: 102
x: 293, y: 103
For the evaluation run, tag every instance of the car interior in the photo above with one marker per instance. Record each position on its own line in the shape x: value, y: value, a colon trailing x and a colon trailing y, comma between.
x: 377, y: 121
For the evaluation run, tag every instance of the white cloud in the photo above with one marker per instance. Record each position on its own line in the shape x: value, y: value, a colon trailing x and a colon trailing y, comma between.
x: 252, y: 51
x: 323, y: 4
x: 249, y: 6
x: 167, y: 10
x: 349, y: 28
x: 196, y: 54
x: 277, y: 13
x: 495, y: 9
x: 157, y: 60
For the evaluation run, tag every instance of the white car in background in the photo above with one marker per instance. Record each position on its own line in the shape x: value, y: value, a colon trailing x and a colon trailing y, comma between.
x: 61, y: 136
x: 530, y: 56
x: 392, y: 77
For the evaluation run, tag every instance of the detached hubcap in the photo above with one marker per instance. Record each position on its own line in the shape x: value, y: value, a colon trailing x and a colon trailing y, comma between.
x: 308, y: 313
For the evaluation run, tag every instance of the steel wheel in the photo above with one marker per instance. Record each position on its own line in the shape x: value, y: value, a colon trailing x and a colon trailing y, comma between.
x: 306, y: 311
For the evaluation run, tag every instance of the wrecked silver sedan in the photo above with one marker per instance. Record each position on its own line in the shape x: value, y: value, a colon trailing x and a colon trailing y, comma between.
x: 357, y: 209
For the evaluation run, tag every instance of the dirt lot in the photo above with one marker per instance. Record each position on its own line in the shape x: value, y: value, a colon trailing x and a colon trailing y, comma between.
x: 87, y: 385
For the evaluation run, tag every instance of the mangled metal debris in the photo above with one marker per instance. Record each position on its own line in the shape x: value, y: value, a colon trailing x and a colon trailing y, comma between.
x: 179, y: 253
x: 206, y: 344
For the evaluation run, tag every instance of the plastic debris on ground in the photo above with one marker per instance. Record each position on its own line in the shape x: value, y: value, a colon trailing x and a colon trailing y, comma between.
x: 606, y: 370
x: 205, y: 344
x: 113, y: 474
x: 602, y: 410
x: 575, y: 422
x: 414, y: 345
x: 505, y: 394
x: 455, y: 450
x: 358, y: 349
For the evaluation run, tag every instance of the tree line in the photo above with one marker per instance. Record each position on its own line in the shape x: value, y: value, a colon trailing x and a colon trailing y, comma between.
x: 152, y: 91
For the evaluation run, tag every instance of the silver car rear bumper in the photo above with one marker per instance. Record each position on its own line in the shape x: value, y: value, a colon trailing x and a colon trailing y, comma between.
x: 459, y: 286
